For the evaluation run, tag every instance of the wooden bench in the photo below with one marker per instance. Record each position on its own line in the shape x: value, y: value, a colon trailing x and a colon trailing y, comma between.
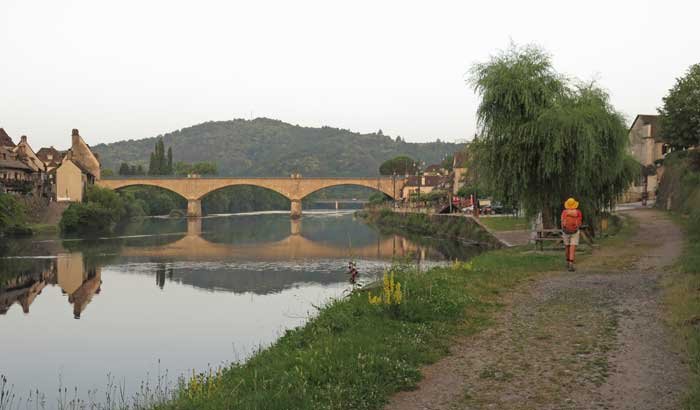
x: 554, y: 235
x: 544, y: 235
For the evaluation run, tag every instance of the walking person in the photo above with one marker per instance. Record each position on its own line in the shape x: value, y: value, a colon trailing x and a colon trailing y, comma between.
x: 571, y: 220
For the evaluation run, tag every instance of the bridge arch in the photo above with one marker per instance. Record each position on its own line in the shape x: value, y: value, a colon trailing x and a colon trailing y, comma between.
x: 294, y: 189
x: 378, y: 187
x: 121, y: 188
x: 243, y: 198
x: 118, y: 184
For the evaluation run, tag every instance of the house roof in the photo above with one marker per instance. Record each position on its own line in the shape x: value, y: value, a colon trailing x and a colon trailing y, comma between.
x: 5, y: 140
x: 433, y: 168
x: 44, y: 153
x: 653, y: 121
x: 14, y: 164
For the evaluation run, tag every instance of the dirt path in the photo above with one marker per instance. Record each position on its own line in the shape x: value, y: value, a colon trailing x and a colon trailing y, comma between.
x: 594, y: 339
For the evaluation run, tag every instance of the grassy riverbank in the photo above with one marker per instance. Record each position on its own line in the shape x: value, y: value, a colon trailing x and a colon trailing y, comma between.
x: 354, y: 355
x: 451, y: 227
x: 505, y: 223
x: 683, y: 301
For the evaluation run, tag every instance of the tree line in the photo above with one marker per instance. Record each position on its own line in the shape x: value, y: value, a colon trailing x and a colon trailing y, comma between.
x: 161, y: 163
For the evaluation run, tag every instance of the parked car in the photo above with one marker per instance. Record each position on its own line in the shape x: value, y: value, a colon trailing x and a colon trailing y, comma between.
x: 500, y: 209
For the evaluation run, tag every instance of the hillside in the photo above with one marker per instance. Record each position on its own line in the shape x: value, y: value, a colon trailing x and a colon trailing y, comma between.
x: 266, y: 147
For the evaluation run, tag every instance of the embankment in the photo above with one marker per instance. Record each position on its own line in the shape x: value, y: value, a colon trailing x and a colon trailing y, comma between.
x: 459, y: 228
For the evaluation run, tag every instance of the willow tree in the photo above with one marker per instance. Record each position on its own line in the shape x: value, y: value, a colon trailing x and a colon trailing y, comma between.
x: 542, y: 139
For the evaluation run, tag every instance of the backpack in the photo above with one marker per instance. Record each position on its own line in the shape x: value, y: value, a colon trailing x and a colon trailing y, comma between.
x: 570, y: 225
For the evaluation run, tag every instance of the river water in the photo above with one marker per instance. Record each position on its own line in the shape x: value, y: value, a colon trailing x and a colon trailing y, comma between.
x: 165, y: 296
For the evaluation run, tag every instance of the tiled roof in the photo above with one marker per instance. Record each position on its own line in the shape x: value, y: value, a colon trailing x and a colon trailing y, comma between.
x: 14, y: 164
x: 5, y: 140
x: 44, y: 153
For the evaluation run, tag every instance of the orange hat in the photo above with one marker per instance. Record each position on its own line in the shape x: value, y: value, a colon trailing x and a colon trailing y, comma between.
x: 571, y: 203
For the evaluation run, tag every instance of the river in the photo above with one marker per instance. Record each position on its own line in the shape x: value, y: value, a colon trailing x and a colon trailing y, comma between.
x: 164, y: 296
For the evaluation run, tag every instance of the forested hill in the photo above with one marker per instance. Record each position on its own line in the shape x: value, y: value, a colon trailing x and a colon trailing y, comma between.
x: 265, y: 147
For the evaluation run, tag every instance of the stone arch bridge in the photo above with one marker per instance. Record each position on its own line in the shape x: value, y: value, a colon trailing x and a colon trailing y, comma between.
x: 294, y: 189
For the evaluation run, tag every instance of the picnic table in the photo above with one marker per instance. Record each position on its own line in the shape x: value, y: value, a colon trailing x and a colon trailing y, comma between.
x: 545, y: 235
x: 555, y: 235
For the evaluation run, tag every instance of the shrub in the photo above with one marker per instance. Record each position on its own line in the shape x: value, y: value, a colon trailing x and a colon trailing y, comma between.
x: 13, y: 218
x: 101, y: 211
x: 88, y: 218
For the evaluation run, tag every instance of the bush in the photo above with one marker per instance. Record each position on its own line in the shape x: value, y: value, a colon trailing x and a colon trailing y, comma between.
x: 155, y: 201
x: 88, y: 218
x: 101, y: 211
x: 377, y: 198
x: 13, y: 218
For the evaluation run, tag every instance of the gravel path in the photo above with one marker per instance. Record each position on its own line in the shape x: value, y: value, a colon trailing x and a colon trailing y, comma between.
x: 593, y: 339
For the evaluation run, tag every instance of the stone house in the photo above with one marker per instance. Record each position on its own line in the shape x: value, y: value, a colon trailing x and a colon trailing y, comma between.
x: 51, y: 157
x: 15, y: 175
x: 648, y: 148
x: 79, y: 169
x: 424, y: 184
x: 20, y: 169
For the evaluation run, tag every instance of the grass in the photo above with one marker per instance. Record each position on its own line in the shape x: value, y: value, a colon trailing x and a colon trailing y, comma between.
x: 354, y: 355
x: 683, y: 301
x: 505, y: 223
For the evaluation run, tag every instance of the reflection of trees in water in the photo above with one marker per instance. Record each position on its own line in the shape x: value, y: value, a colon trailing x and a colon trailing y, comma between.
x: 450, y: 249
x: 153, y: 226
x: 246, y: 228
x: 261, y: 282
x: 341, y: 231
x: 161, y: 271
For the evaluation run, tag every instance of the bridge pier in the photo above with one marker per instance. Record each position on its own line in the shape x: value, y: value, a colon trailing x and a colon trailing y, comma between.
x: 194, y: 208
x: 194, y: 226
x: 295, y: 227
x: 295, y: 212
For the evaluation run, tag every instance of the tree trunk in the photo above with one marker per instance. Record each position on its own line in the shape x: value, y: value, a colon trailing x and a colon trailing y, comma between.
x: 548, y: 218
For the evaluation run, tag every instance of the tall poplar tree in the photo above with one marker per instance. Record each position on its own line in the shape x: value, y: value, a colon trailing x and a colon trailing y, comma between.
x: 159, y: 163
x: 542, y: 139
x: 152, y: 167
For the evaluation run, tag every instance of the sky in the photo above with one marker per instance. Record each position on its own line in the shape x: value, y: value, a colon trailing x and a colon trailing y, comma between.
x: 133, y: 69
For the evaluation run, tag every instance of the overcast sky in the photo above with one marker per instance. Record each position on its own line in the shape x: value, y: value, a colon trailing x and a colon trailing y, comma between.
x: 138, y: 68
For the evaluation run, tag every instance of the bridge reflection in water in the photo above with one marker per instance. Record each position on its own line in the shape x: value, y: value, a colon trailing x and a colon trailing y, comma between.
x: 194, y: 246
